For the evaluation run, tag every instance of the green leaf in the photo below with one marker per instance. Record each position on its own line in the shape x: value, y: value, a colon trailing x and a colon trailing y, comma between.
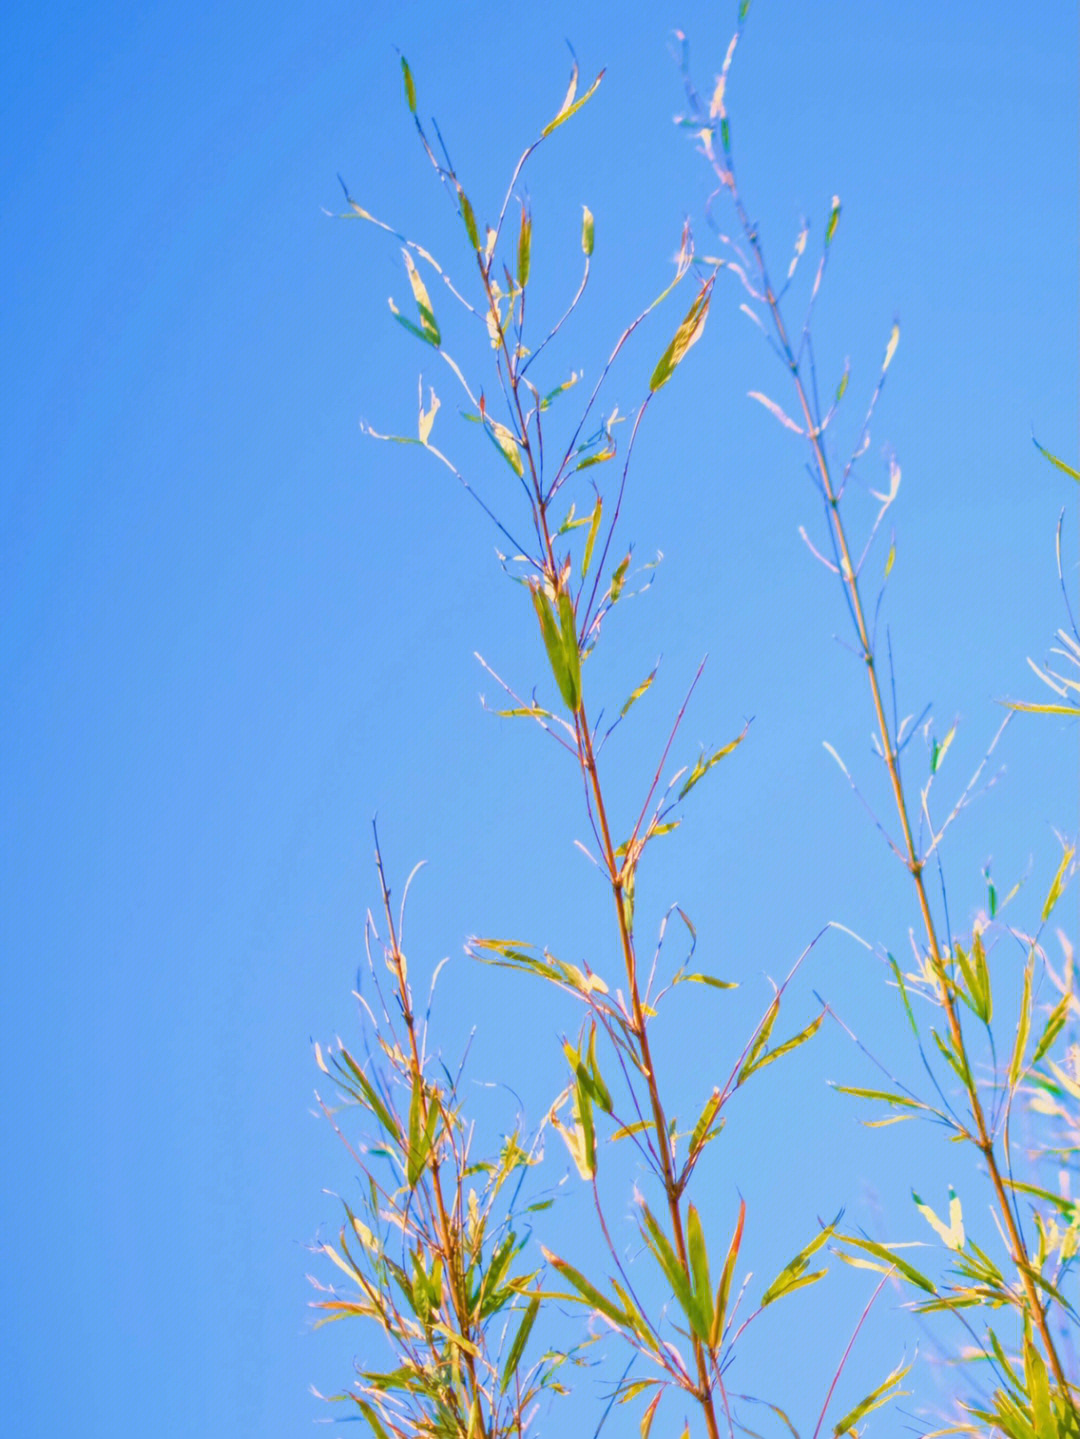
x: 724, y: 1287
x: 834, y: 218
x: 642, y: 687
x: 899, y: 1100
x: 881, y: 1252
x: 585, y: 1290
x: 761, y: 1038
x: 665, y: 1256
x: 1054, y: 1026
x: 874, y: 1400
x: 506, y: 443
x: 568, y: 627
x: 1023, y: 1027
x: 618, y: 579
x: 588, y: 231
x: 701, y: 1131
x: 703, y: 764
x: 898, y: 976
x: 430, y: 330
x: 524, y: 248
x: 590, y: 538
x: 469, y: 217
x: 1058, y: 884
x: 709, y: 979
x: 553, y: 643
x: 687, y: 335
x: 521, y: 1338
x: 699, y: 1268
x: 372, y: 1096
x: 1060, y: 464
x: 793, y: 1275
x: 410, y: 87
x: 785, y: 1048
x: 570, y: 106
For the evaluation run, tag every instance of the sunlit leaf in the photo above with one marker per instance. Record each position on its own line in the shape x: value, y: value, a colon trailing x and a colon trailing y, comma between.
x: 524, y: 248
x: 834, y: 218
x: 793, y: 1275
x: 874, y: 1400
x: 570, y: 106
x: 688, y: 334
x: 588, y: 231
x: 1023, y: 1027
x: 1058, y: 884
x: 410, y: 87
x: 1060, y: 464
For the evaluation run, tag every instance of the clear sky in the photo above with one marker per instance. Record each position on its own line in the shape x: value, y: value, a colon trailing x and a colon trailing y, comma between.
x: 234, y: 628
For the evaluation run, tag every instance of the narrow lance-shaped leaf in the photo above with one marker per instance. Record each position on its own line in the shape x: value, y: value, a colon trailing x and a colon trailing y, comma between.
x: 521, y: 1338
x: 793, y: 1275
x: 1059, y: 464
x: 834, y: 218
x: 570, y: 106
x: 1054, y: 1025
x: 688, y: 334
x: 699, y: 1267
x: 761, y: 1038
x: 524, y: 248
x: 469, y: 217
x: 1023, y: 1028
x: 703, y: 764
x: 587, y: 1291
x: 588, y: 231
x: 590, y: 538
x: 894, y: 1261
x: 1058, y: 884
x: 568, y: 626
x: 410, y: 87
x: 874, y: 1400
x: 785, y: 1048
x: 372, y: 1095
x: 506, y: 443
x: 724, y: 1287
x: 666, y: 1257
x: 553, y: 643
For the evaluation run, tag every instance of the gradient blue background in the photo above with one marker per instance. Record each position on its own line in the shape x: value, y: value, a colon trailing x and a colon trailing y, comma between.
x: 234, y: 628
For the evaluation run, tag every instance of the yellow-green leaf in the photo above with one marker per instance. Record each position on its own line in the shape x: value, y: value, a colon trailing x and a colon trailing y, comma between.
x: 410, y: 87
x: 1060, y: 464
x: 688, y: 334
x: 524, y: 248
x: 570, y: 106
x: 1023, y: 1027
x: 588, y: 231
x: 1058, y: 884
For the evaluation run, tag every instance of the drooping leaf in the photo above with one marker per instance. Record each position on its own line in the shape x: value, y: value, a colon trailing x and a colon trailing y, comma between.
x: 881, y: 1251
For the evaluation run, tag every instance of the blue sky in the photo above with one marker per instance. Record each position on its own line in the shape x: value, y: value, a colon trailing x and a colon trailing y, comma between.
x: 234, y: 628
